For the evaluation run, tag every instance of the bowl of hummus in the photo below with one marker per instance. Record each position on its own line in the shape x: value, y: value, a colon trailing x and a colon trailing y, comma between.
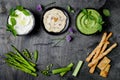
x: 20, y: 21
x: 55, y: 20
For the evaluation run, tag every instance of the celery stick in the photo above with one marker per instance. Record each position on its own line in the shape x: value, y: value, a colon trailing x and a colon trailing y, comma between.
x: 63, y: 73
x: 59, y: 70
x: 79, y: 65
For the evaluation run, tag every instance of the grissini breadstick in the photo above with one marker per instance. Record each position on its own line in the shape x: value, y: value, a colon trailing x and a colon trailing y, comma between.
x: 102, y: 55
x: 94, y: 51
x: 92, y: 69
x: 102, y: 50
x: 100, y: 45
x: 91, y: 55
x: 104, y: 39
x: 105, y: 46
x: 109, y: 35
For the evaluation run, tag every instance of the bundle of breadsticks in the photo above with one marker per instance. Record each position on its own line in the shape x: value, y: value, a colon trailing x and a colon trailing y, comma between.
x: 97, y: 58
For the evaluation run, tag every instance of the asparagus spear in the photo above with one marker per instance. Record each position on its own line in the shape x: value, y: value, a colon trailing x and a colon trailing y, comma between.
x: 20, y: 59
x: 25, y: 61
x: 19, y: 62
x: 20, y: 68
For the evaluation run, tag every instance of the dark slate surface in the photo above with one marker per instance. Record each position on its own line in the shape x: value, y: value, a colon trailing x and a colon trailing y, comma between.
x: 68, y: 52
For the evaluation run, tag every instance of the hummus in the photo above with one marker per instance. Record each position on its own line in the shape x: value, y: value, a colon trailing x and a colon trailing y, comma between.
x: 24, y: 24
x: 54, y: 20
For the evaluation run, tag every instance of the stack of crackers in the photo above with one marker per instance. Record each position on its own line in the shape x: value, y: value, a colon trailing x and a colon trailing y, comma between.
x: 97, y: 58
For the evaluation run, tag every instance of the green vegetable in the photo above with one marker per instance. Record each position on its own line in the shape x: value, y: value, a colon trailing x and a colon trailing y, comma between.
x: 70, y: 9
x: 47, y: 71
x: 12, y: 13
x: 23, y: 10
x: 20, y: 8
x: 79, y: 65
x: 89, y: 21
x: 59, y: 70
x: 19, y: 54
x: 13, y: 21
x: 106, y: 12
x: 11, y: 29
x: 17, y: 60
x: 26, y: 12
x: 27, y: 54
x: 36, y: 56
x: 21, y: 68
x: 63, y: 73
x: 16, y: 57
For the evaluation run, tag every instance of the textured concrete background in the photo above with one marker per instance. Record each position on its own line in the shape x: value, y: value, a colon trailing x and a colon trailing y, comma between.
x: 67, y: 52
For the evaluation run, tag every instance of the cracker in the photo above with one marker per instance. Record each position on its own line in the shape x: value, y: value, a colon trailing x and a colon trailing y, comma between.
x: 104, y: 73
x: 103, y: 63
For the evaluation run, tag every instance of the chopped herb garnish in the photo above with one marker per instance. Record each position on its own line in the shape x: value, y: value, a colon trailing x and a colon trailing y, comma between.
x: 20, y: 8
x: 23, y: 10
x: 11, y: 29
x: 26, y: 12
x: 13, y: 21
x: 12, y: 13
x: 106, y: 12
x: 70, y: 9
x: 85, y: 11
